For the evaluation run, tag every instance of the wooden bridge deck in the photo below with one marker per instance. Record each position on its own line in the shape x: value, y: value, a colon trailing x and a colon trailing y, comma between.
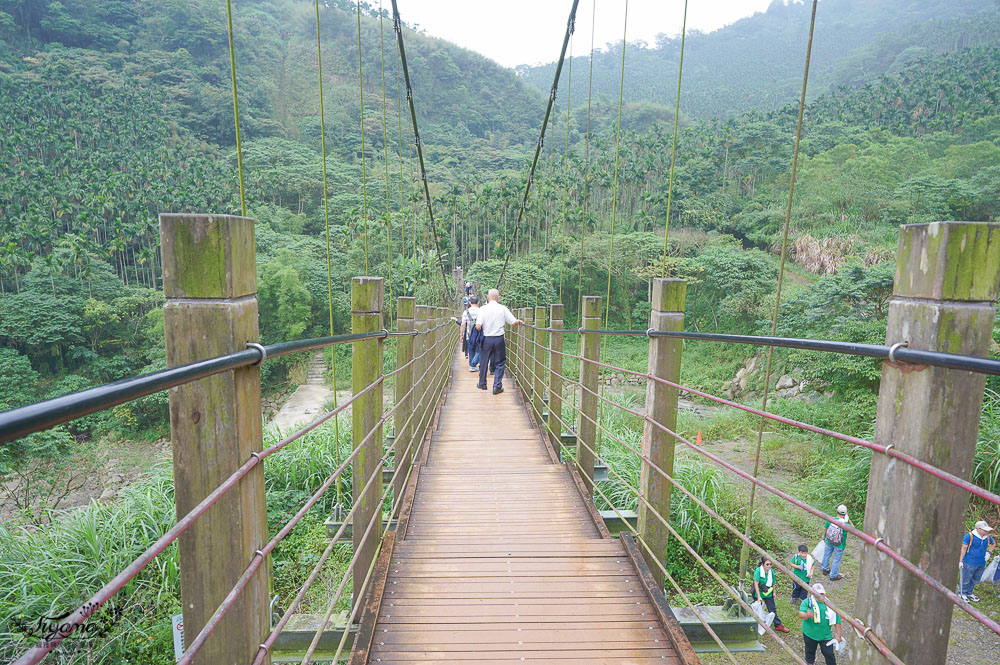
x: 499, y: 559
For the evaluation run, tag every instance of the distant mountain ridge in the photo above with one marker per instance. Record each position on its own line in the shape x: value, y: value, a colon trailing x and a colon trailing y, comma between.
x: 756, y: 62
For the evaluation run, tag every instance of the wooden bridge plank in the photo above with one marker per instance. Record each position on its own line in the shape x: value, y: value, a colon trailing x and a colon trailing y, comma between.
x: 502, y: 561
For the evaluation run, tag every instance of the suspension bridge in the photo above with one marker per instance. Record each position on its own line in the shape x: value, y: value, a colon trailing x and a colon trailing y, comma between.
x: 474, y: 532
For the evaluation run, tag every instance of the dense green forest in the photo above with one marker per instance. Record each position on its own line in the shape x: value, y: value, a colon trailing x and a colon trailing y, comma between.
x: 113, y: 111
x: 756, y: 63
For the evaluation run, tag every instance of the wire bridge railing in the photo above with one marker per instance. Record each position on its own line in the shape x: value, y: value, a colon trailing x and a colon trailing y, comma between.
x: 422, y: 367
x: 572, y: 406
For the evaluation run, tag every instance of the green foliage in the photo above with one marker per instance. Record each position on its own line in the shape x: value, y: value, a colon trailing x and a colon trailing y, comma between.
x: 756, y: 62
x: 523, y: 285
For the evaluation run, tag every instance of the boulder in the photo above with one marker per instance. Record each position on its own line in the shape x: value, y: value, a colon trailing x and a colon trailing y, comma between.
x: 785, y: 382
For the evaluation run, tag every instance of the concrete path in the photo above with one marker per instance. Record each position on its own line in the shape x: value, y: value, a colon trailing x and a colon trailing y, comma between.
x: 306, y: 403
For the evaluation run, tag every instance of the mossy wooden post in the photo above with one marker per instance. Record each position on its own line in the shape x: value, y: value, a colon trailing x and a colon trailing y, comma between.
x: 404, y: 382
x: 521, y: 341
x: 421, y: 346
x: 666, y: 313
x: 541, y: 351
x: 947, y: 277
x: 529, y: 357
x: 366, y: 368
x: 209, y: 279
x: 590, y: 348
x: 555, y: 382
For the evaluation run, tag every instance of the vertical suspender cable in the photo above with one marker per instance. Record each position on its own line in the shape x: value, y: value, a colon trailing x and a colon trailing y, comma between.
x: 569, y: 106
x: 673, y: 150
x: 570, y: 27
x: 402, y: 208
x: 364, y: 175
x: 385, y: 147
x: 777, y: 295
x: 614, y: 186
x: 398, y: 26
x: 586, y: 158
x: 614, y: 209
x: 236, y: 107
x: 329, y: 269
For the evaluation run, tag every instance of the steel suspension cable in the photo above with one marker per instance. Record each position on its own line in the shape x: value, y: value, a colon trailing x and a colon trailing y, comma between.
x: 364, y: 175
x: 570, y: 27
x: 781, y: 274
x: 329, y: 266
x: 586, y: 159
x: 673, y: 150
x: 236, y: 106
x: 385, y: 148
x: 398, y: 26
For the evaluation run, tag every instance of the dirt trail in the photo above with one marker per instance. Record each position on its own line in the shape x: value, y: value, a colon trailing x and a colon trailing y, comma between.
x: 970, y: 643
x: 308, y: 399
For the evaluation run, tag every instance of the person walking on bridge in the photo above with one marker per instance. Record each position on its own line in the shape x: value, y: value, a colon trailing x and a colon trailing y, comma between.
x: 471, y: 338
x: 490, y: 321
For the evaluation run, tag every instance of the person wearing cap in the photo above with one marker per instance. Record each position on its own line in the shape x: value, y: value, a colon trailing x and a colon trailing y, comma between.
x: 819, y: 623
x: 834, y: 544
x: 977, y: 545
x: 802, y: 566
x: 763, y: 586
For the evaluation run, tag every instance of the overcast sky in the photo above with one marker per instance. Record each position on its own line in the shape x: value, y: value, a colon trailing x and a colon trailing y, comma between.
x: 516, y: 32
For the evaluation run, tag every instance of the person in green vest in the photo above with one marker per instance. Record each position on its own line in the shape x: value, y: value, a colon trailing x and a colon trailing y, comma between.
x: 763, y: 586
x: 802, y: 566
x: 819, y: 623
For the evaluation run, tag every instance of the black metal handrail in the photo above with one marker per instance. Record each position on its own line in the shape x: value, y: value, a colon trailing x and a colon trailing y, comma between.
x: 39, y: 416
x: 893, y: 353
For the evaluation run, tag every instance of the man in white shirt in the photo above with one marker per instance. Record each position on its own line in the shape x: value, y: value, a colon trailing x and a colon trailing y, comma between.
x: 490, y: 321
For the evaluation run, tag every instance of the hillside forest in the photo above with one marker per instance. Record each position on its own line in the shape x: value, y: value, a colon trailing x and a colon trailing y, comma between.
x: 112, y: 112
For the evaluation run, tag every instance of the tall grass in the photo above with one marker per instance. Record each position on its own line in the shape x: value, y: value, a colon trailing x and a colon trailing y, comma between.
x: 55, y: 568
x: 716, y: 544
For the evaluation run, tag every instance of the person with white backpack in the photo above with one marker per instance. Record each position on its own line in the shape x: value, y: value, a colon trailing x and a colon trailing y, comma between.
x: 819, y: 625
x: 977, y: 545
x: 835, y: 543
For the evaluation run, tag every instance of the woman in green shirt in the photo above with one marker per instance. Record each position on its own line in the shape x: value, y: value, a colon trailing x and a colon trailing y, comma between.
x: 818, y: 625
x: 763, y: 586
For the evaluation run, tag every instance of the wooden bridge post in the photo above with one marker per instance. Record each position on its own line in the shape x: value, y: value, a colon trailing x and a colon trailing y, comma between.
x: 541, y: 348
x: 403, y: 384
x: 366, y: 368
x: 519, y: 359
x: 590, y: 348
x: 947, y: 278
x: 529, y: 357
x: 421, y: 344
x: 555, y: 382
x: 666, y: 313
x: 210, y: 282
x: 456, y: 276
